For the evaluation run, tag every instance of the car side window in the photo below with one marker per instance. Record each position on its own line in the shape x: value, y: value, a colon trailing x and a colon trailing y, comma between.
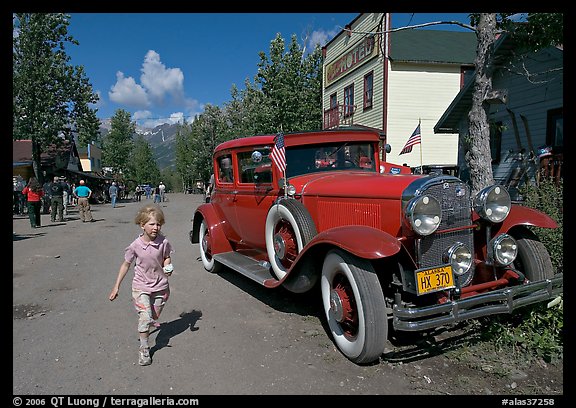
x: 255, y: 166
x: 225, y: 173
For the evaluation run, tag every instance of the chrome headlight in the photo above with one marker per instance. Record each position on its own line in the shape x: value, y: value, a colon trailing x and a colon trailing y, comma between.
x: 459, y: 257
x: 425, y: 214
x: 502, y: 250
x: 493, y: 203
x: 290, y: 190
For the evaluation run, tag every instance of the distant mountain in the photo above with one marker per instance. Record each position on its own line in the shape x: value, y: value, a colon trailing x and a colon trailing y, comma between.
x: 162, y: 139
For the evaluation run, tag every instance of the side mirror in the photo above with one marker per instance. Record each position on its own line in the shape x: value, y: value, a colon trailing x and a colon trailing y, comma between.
x: 388, y: 148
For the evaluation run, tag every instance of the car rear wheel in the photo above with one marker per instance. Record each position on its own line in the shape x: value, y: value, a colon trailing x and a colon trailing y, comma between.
x: 289, y: 227
x: 208, y: 261
x: 354, y: 305
x: 533, y: 259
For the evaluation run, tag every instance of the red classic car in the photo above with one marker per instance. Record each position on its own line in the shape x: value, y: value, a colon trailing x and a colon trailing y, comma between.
x: 385, y: 246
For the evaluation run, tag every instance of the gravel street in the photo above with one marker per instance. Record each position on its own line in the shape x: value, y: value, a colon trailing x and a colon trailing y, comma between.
x: 221, y: 334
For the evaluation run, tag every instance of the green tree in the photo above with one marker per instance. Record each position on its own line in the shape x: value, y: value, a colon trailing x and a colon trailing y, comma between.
x: 291, y: 84
x: 89, y: 129
x: 118, y: 143
x: 50, y: 97
x: 142, y: 166
x: 184, y: 155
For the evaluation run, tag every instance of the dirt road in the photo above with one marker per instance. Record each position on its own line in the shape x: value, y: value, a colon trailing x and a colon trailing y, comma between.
x: 220, y: 334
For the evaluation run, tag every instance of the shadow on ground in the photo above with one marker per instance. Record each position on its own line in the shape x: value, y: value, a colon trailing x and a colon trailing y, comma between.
x: 167, y: 330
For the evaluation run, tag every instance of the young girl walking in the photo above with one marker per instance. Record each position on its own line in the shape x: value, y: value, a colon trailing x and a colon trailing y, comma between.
x: 150, y: 289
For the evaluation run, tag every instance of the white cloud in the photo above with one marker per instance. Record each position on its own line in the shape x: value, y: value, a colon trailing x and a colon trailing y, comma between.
x: 320, y: 37
x: 127, y: 92
x: 139, y: 115
x: 156, y: 83
x: 158, y: 80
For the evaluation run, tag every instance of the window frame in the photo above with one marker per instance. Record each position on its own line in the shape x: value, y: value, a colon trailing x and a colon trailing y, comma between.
x: 368, y: 91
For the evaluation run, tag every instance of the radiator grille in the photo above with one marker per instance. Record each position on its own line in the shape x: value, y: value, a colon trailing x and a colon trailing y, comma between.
x: 334, y: 213
x: 456, y: 212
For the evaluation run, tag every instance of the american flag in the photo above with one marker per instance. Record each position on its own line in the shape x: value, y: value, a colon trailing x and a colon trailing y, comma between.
x: 413, y: 140
x: 278, y: 154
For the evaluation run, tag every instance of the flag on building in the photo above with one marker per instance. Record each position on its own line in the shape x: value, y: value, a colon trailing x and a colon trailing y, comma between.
x: 278, y: 154
x: 413, y: 140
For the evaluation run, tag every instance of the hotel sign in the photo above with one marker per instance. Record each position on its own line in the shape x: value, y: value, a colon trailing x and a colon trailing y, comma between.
x: 360, y: 53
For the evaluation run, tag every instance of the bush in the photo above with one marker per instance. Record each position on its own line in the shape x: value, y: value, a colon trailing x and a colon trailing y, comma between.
x: 537, y: 330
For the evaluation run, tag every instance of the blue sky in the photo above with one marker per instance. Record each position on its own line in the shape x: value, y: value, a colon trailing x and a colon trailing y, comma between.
x: 165, y: 67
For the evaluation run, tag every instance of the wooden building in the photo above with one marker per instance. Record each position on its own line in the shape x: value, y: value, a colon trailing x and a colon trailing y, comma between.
x: 394, y: 81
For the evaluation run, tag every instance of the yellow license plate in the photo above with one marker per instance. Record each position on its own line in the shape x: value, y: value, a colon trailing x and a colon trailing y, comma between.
x: 435, y: 279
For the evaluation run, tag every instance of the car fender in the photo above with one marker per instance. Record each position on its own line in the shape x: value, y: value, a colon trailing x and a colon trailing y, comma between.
x: 219, y: 242
x: 520, y: 215
x: 360, y: 240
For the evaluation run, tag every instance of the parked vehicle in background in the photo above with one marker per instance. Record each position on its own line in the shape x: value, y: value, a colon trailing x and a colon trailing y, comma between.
x: 389, y: 249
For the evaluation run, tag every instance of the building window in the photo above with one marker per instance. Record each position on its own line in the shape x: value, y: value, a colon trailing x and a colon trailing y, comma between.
x: 349, y: 100
x: 555, y: 130
x: 333, y: 101
x: 496, y: 142
x: 368, y: 90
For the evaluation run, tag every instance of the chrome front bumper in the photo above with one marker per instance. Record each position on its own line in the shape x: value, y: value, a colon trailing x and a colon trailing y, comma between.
x: 495, y: 302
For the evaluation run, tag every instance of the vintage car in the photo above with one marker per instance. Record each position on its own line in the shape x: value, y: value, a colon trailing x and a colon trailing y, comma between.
x: 389, y: 249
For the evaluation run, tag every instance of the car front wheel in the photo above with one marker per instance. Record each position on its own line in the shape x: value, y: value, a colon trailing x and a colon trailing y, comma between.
x: 354, y: 305
x: 533, y: 259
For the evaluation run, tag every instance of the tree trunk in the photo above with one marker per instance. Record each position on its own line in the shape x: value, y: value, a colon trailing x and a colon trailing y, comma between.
x: 36, y: 163
x: 478, y: 157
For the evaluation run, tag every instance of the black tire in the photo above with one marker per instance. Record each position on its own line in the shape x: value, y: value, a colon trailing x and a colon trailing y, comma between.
x: 289, y: 227
x: 205, y: 240
x: 533, y: 259
x: 354, y: 306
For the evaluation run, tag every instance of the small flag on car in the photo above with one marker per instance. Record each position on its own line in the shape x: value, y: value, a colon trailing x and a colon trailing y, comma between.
x: 278, y: 154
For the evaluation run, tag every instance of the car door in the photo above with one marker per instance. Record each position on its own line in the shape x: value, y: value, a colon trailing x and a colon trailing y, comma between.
x: 224, y: 197
x: 255, y: 194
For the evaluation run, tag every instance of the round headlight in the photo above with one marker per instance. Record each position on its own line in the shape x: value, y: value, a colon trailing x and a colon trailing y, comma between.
x: 459, y: 257
x: 503, y: 250
x: 493, y: 203
x: 424, y: 214
x: 290, y: 190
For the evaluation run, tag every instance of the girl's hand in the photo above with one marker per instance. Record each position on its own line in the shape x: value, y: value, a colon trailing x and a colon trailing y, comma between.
x: 113, y: 294
x: 168, y: 269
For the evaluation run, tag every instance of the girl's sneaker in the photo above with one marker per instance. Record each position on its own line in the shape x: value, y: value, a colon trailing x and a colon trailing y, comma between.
x: 144, y: 356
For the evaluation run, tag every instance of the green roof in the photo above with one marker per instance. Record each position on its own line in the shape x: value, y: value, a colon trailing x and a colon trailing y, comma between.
x: 433, y: 46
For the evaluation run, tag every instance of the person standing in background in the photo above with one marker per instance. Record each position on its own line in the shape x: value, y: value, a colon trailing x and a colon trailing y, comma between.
x: 157, y: 197
x: 34, y: 193
x: 162, y: 189
x: 83, y: 194
x: 66, y: 194
x: 18, y: 198
x: 46, y: 198
x: 113, y: 191
x: 57, y: 200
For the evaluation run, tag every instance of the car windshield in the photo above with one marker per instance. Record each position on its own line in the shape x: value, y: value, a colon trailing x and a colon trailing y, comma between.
x: 329, y: 157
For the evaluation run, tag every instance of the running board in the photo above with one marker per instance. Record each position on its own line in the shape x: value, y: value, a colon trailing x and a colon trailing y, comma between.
x: 246, y: 266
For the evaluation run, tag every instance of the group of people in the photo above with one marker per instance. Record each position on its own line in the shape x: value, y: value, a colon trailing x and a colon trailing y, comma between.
x: 56, y: 194
x: 159, y: 193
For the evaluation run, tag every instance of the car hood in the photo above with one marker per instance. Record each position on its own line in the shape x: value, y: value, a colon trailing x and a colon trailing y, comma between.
x: 353, y: 184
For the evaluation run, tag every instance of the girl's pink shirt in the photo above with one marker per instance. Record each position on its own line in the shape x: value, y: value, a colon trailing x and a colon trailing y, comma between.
x: 149, y: 256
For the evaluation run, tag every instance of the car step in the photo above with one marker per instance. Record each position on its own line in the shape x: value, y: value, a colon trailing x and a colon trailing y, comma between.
x: 247, y: 266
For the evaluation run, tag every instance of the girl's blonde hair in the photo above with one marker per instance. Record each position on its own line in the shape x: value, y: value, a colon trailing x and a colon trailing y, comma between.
x: 147, y: 212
